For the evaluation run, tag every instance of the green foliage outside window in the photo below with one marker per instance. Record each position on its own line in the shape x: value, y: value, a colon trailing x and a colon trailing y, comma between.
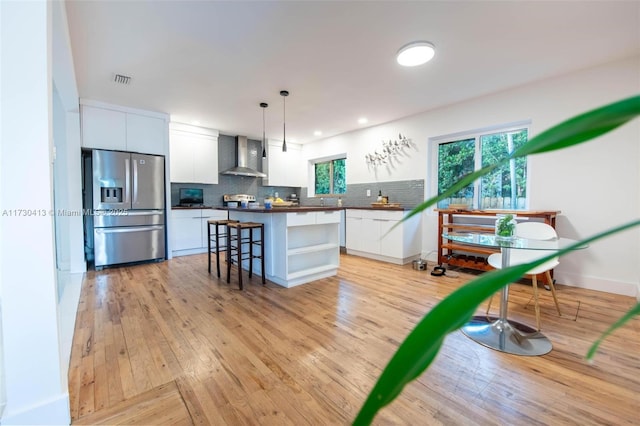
x: 323, y: 178
x: 495, y: 190
x: 498, y: 183
x: 331, y: 177
x: 339, y: 176
x: 456, y: 159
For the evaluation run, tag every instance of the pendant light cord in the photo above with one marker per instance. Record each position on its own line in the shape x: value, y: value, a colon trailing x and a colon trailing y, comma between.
x: 264, y: 153
x: 284, y: 95
x: 284, y: 124
x: 264, y: 105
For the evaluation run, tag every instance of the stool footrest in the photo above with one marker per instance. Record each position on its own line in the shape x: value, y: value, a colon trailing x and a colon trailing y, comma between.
x: 213, y: 240
x: 236, y: 241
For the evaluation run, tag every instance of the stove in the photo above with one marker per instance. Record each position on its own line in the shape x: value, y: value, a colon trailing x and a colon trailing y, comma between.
x: 237, y: 199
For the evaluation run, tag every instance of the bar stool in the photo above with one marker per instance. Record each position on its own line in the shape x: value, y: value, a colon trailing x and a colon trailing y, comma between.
x: 215, y: 239
x: 235, y: 243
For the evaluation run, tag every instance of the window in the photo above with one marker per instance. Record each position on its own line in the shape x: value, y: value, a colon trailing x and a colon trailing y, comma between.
x: 331, y: 177
x: 504, y: 188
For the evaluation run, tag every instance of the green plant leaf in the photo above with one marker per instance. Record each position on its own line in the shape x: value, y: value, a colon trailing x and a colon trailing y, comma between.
x: 582, y: 128
x: 462, y: 183
x: 626, y: 317
x: 421, y: 346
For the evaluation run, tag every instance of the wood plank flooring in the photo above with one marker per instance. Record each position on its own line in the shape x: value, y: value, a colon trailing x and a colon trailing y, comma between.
x: 167, y: 343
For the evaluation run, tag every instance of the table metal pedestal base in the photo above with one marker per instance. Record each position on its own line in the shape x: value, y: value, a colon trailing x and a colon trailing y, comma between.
x: 507, y: 336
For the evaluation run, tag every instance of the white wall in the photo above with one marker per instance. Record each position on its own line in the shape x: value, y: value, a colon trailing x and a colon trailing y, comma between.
x: 595, y: 185
x: 67, y: 186
x: 66, y: 127
x: 34, y: 390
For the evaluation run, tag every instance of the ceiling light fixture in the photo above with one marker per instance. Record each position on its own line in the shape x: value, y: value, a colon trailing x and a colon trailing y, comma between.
x: 264, y: 106
x: 415, y: 53
x: 317, y: 133
x: 284, y: 95
x: 362, y: 120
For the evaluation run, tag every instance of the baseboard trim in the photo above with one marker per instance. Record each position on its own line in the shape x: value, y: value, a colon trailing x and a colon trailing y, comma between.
x: 51, y: 412
x: 599, y: 284
x: 382, y: 258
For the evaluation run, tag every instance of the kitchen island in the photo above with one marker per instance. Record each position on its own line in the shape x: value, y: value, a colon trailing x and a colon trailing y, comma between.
x: 302, y: 244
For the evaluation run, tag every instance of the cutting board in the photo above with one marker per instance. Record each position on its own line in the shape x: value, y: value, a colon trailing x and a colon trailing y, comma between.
x: 385, y: 205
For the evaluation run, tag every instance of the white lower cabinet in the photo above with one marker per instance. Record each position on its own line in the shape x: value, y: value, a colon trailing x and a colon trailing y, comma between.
x: 381, y: 235
x: 353, y: 230
x: 208, y: 214
x: 189, y: 230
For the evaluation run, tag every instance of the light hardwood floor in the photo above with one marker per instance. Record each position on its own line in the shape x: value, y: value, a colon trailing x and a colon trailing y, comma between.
x: 167, y: 343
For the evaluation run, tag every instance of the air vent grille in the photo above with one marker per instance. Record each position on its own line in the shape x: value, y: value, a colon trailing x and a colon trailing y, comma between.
x: 122, y: 79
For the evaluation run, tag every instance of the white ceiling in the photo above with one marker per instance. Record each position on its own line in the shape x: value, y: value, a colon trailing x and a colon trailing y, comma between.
x: 216, y: 61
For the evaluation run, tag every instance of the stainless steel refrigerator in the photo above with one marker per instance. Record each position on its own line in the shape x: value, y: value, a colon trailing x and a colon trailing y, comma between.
x: 128, y: 207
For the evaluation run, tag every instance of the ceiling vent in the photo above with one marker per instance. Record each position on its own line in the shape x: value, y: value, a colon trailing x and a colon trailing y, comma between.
x: 122, y: 79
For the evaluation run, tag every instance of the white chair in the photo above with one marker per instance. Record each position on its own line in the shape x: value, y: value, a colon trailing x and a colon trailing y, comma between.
x: 534, y: 231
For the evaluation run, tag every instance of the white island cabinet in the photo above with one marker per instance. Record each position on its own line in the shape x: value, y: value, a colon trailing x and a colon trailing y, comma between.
x: 379, y: 234
x: 300, y: 246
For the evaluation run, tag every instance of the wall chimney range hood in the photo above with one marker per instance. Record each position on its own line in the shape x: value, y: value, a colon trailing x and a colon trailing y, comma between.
x: 242, y: 157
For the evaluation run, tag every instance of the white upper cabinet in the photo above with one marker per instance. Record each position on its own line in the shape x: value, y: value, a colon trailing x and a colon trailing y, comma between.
x: 146, y: 134
x: 104, y: 128
x: 193, y: 154
x: 284, y: 168
x: 124, y: 129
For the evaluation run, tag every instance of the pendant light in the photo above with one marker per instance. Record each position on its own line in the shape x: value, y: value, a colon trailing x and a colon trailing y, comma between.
x: 284, y: 95
x: 263, y: 105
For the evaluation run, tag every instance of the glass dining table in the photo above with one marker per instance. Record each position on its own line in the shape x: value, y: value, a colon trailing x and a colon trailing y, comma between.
x: 499, y: 332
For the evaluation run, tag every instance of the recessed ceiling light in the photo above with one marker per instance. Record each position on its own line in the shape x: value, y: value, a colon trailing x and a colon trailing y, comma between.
x: 363, y: 120
x: 195, y: 122
x: 415, y: 53
x: 317, y: 133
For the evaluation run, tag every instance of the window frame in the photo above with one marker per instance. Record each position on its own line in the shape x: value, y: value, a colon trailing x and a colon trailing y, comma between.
x: 477, y: 134
x: 329, y: 160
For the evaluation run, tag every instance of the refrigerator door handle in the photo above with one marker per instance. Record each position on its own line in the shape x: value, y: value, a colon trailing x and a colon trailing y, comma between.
x: 135, y: 183
x: 143, y: 212
x: 129, y: 229
x: 127, y: 180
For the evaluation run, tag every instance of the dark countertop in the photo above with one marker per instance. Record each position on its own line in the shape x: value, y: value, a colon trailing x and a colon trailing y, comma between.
x: 393, y: 209
x: 196, y: 207
x: 283, y: 209
x: 291, y: 209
